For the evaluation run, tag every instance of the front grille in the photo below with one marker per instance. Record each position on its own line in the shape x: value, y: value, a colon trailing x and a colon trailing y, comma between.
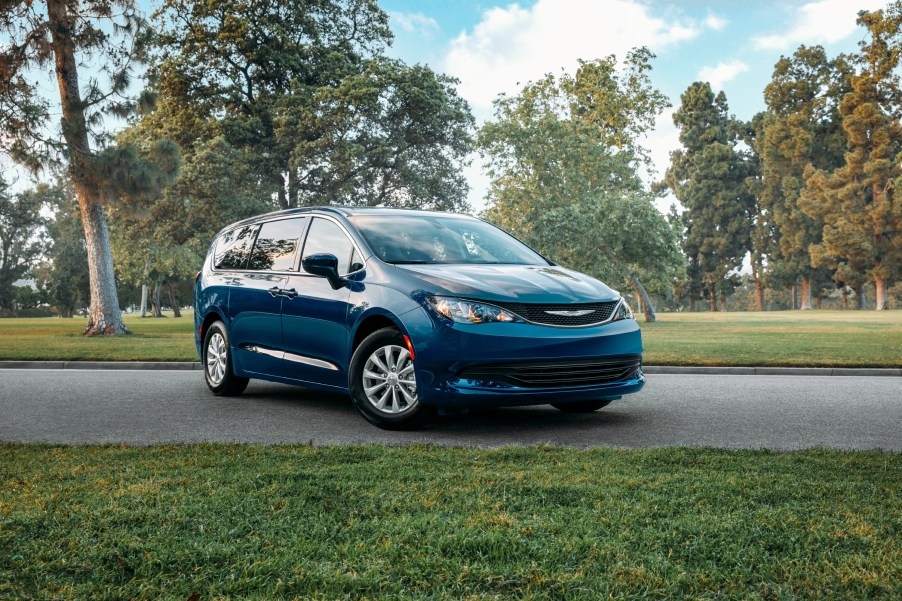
x: 539, y: 313
x: 557, y: 374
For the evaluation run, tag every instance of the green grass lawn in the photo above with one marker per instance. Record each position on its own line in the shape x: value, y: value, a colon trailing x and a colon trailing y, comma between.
x: 817, y: 338
x: 809, y: 339
x: 236, y: 521
x: 50, y: 338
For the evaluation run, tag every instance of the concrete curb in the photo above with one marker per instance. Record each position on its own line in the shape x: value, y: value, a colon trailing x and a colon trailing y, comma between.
x: 648, y: 369
x: 775, y: 371
x: 142, y: 365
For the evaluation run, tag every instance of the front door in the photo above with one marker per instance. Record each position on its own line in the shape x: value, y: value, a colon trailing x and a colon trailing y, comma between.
x: 314, y: 316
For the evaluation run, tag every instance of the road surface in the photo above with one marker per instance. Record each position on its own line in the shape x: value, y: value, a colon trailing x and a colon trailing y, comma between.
x: 147, y: 407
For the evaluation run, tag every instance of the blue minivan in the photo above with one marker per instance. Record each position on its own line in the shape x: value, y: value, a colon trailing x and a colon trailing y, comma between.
x: 409, y: 312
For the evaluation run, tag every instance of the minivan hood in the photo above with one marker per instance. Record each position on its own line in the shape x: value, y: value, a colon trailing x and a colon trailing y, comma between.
x: 514, y: 283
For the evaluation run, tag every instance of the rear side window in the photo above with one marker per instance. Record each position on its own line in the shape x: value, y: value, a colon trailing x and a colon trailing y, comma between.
x: 277, y: 244
x: 233, y: 248
x: 326, y: 237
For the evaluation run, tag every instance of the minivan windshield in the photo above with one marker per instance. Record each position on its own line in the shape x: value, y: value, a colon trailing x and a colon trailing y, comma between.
x: 430, y: 239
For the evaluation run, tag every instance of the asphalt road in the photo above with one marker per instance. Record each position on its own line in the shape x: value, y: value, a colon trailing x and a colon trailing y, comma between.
x: 146, y: 407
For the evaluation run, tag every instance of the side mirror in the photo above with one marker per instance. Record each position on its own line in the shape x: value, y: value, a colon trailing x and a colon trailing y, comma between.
x: 325, y: 265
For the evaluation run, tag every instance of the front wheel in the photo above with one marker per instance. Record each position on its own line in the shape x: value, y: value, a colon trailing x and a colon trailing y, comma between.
x: 218, y: 373
x: 383, y: 384
x: 581, y: 406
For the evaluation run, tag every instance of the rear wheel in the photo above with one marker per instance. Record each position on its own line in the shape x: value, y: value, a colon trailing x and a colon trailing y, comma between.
x: 218, y: 373
x: 581, y: 406
x: 383, y: 383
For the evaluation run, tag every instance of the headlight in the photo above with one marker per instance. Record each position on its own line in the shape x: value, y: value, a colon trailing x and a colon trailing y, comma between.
x: 465, y: 311
x: 623, y: 311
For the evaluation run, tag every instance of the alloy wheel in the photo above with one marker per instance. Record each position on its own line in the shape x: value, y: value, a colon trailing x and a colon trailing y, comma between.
x: 216, y: 358
x: 389, y: 382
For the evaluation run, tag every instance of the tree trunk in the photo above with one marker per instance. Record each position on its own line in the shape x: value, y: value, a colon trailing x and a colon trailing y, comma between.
x: 156, y: 309
x: 805, y: 301
x: 691, y: 303
x: 882, y: 298
x: 723, y: 303
x: 845, y: 297
x: 636, y: 284
x: 144, y: 289
x: 759, y: 288
x: 104, y: 316
x: 173, y: 302
x: 819, y: 301
x: 712, y: 299
x: 644, y: 300
x: 859, y: 296
x: 792, y: 297
x: 143, y: 300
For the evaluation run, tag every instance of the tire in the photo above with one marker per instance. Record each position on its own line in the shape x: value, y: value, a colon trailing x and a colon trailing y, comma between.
x: 218, y: 371
x: 387, y: 398
x: 581, y: 406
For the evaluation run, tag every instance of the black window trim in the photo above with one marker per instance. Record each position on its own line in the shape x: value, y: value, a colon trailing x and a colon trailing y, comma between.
x: 299, y: 251
x: 347, y: 235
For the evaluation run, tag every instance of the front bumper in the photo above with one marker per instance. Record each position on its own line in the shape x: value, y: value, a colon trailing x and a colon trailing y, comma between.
x: 444, y: 350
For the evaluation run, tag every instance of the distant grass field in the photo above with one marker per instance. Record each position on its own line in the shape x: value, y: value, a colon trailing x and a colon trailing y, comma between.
x: 231, y: 521
x: 793, y: 338
x: 55, y: 339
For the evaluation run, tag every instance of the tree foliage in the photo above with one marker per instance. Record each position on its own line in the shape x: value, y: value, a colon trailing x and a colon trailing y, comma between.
x: 856, y: 202
x: 563, y: 158
x: 801, y: 129
x: 708, y: 177
x: 22, y: 238
x: 302, y: 92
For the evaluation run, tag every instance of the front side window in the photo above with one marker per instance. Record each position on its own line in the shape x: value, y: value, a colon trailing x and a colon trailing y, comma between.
x: 432, y: 239
x: 233, y: 248
x: 326, y: 237
x: 276, y: 245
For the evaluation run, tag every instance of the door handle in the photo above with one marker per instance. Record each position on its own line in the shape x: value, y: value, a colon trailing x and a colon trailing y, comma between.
x: 275, y: 291
x: 289, y: 292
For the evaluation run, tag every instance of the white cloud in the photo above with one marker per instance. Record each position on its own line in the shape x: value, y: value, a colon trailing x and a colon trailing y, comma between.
x: 722, y: 73
x: 819, y: 22
x: 414, y: 22
x: 714, y: 22
x: 513, y: 45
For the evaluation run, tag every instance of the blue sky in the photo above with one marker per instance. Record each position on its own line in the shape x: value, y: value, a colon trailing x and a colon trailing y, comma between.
x: 733, y: 44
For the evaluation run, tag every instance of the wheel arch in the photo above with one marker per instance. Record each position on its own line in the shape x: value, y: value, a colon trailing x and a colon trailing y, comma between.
x: 370, y: 323
x: 212, y: 316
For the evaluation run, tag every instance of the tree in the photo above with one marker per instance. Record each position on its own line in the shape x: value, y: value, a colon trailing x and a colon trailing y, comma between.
x: 708, y: 177
x: 857, y: 200
x: 564, y: 156
x: 63, y: 276
x: 301, y: 90
x: 22, y: 239
x: 112, y: 36
x: 801, y: 129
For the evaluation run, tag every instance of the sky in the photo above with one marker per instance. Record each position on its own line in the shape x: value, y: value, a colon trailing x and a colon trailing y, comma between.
x: 733, y: 44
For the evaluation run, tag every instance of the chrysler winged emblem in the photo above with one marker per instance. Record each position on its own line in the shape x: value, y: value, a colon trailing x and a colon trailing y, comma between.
x: 576, y: 313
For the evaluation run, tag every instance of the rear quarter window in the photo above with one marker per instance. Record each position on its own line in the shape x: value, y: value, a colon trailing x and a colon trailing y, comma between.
x: 233, y: 248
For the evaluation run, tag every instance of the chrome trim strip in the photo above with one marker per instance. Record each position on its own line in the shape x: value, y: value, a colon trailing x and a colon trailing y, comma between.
x: 253, y: 348
x: 310, y: 361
